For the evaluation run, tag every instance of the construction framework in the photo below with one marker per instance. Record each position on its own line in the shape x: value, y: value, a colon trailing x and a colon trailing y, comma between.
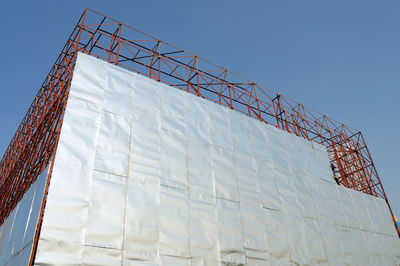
x: 33, y: 145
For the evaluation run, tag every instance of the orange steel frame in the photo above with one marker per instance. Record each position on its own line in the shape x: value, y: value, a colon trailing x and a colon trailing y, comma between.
x: 33, y: 146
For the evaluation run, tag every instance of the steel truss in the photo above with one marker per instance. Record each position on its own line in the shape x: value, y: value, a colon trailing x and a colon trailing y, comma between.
x: 33, y: 146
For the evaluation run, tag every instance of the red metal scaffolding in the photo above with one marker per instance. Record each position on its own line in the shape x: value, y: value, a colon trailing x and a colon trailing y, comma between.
x: 35, y: 141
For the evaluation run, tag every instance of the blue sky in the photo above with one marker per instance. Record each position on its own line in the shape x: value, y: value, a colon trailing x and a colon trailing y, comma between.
x: 341, y: 58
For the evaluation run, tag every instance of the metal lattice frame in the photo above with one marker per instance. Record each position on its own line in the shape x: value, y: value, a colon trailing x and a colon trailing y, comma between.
x: 35, y: 141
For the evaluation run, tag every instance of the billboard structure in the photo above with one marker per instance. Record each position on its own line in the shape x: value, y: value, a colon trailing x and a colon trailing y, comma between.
x: 128, y: 169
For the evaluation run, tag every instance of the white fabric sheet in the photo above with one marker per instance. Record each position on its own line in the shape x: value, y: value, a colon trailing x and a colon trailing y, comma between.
x: 146, y: 174
x: 18, y: 230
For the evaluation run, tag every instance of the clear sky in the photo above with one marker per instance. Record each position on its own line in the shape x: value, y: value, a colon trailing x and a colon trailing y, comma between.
x: 341, y: 58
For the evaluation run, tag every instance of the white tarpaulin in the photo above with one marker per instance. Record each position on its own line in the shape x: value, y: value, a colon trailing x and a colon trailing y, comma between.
x: 19, y: 228
x: 146, y: 174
